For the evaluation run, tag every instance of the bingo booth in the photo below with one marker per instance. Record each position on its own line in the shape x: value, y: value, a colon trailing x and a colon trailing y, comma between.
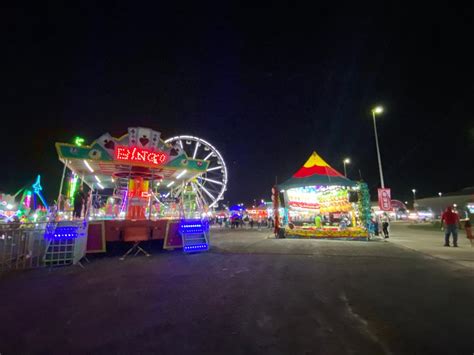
x: 319, y: 202
x: 140, y: 187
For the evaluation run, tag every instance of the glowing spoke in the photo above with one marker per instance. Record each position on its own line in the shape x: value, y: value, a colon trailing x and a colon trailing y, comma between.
x: 195, y: 150
x: 208, y: 156
x: 205, y: 190
x: 198, y: 193
x: 214, y: 168
x: 181, y: 144
x: 213, y: 181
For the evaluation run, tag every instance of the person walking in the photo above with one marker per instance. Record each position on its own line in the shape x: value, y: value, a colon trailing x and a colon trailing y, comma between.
x: 385, y: 224
x: 450, y: 221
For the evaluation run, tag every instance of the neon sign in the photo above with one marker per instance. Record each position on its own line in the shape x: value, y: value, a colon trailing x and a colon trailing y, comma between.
x: 135, y: 154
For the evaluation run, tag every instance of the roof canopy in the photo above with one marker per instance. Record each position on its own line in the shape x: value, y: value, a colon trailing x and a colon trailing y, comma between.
x: 316, y: 172
x: 140, y: 152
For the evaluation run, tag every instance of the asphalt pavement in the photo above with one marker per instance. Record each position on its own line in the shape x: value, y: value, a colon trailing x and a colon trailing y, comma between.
x: 251, y: 294
x: 431, y: 242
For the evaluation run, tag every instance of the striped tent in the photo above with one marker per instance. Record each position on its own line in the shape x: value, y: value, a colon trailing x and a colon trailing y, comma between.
x: 316, y: 172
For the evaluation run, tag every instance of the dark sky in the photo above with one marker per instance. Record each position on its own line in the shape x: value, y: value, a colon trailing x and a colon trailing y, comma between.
x: 265, y: 85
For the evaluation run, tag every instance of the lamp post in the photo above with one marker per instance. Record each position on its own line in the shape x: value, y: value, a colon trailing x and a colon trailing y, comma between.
x: 440, y: 194
x: 414, y: 198
x: 346, y: 161
x: 377, y: 110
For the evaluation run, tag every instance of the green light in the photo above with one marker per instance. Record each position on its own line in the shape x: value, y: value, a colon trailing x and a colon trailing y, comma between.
x: 78, y: 141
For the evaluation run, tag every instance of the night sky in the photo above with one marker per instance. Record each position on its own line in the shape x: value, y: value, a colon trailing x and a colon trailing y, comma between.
x: 265, y: 85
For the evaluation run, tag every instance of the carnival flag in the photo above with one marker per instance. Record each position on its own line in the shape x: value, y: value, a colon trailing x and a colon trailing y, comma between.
x: 385, y: 200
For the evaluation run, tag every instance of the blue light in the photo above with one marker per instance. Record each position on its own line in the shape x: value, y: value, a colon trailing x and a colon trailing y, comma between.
x: 61, y: 233
x: 196, y: 247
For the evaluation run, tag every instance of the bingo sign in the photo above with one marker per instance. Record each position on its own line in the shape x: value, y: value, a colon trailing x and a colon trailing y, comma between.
x: 135, y: 154
x: 385, y: 200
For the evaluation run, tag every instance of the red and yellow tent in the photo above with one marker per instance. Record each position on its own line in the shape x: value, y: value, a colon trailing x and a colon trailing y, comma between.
x: 316, y: 172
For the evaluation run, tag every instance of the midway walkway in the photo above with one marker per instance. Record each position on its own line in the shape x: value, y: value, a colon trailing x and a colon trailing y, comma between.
x: 430, y: 242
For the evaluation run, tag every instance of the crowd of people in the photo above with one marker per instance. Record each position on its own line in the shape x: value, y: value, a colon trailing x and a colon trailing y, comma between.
x: 236, y: 221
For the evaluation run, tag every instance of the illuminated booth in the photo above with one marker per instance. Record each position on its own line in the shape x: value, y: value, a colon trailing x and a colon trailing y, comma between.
x: 141, y: 188
x: 319, y: 202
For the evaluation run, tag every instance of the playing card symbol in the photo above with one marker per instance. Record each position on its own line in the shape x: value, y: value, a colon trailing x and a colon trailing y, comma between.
x: 109, y: 144
x: 199, y: 163
x: 144, y: 140
x: 174, y: 152
x: 94, y: 154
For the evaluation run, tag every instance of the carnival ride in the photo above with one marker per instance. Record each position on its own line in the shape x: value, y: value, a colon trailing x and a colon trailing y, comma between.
x: 143, y: 188
x: 210, y: 185
x: 319, y: 202
x: 30, y: 207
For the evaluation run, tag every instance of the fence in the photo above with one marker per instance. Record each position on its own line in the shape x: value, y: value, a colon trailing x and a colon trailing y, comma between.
x: 22, y: 246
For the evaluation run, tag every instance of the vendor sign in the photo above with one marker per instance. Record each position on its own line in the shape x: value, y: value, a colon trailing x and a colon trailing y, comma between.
x: 385, y: 200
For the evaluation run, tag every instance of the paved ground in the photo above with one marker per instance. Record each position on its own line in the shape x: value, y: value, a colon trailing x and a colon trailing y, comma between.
x: 431, y: 243
x: 249, y: 295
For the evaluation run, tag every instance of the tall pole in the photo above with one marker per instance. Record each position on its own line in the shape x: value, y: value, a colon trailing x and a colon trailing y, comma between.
x: 378, y: 151
x: 345, y: 172
x: 58, y: 202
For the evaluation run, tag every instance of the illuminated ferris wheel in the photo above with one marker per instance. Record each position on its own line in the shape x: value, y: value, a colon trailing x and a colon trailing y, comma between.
x: 211, y: 185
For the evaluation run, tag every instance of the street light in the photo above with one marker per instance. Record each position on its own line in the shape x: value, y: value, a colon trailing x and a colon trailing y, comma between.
x: 440, y: 194
x: 346, y: 161
x: 414, y: 197
x: 378, y: 110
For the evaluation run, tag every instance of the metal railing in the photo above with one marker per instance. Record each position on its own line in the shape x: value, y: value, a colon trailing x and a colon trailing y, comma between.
x: 22, y: 246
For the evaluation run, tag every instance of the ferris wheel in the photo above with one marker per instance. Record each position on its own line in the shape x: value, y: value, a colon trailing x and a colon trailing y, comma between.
x: 211, y: 185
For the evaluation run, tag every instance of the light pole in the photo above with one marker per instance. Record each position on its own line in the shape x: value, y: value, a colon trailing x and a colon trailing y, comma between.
x: 440, y: 194
x: 346, y: 161
x: 377, y: 110
x: 414, y: 198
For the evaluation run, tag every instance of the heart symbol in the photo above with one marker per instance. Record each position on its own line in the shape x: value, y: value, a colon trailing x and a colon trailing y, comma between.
x: 109, y: 144
x: 144, y: 140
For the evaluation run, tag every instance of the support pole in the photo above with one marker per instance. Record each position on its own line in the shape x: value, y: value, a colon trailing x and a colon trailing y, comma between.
x: 58, y: 202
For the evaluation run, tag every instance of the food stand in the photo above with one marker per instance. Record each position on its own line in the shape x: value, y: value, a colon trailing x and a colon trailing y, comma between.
x: 319, y: 202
